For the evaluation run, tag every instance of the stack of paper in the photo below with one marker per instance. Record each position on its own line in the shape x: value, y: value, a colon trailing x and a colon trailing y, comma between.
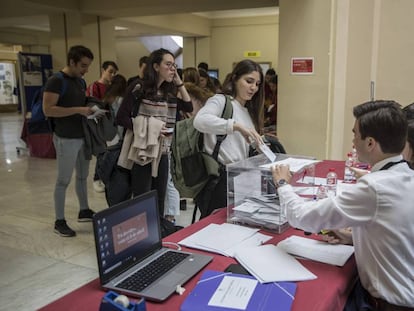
x: 263, y: 211
x: 225, y: 238
x: 334, y: 254
x: 269, y: 263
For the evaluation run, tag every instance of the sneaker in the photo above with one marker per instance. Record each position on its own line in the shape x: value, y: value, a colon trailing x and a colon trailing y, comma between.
x: 63, y: 229
x: 98, y: 186
x: 85, y: 215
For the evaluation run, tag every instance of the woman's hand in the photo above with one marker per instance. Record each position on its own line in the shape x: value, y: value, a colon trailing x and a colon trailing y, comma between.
x: 249, y: 134
x: 166, y: 131
x: 177, y: 80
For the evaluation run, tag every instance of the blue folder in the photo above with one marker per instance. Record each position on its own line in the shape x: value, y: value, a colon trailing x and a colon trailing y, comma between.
x: 276, y: 296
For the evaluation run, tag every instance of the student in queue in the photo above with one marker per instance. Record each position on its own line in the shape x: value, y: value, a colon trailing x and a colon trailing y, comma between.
x: 154, y: 100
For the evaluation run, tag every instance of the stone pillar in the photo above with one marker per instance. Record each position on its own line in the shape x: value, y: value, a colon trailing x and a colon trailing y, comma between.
x: 96, y: 33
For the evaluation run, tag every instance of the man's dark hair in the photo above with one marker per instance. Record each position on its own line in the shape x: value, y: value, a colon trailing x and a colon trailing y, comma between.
x: 409, y: 111
x: 203, y: 65
x: 410, y: 139
x: 384, y: 121
x: 108, y: 63
x: 143, y: 60
x: 270, y: 72
x: 76, y: 53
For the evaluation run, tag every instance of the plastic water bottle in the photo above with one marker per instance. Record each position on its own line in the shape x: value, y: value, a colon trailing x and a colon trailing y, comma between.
x: 348, y: 174
x: 354, y: 156
x: 321, y: 193
x: 331, y: 181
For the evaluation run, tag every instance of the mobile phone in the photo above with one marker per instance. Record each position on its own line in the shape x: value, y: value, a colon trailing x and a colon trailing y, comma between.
x: 237, y: 268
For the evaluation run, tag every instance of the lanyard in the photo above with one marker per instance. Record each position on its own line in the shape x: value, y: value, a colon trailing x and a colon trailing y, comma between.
x: 390, y: 164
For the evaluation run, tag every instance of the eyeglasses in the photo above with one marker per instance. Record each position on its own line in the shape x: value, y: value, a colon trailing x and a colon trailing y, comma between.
x: 171, y: 65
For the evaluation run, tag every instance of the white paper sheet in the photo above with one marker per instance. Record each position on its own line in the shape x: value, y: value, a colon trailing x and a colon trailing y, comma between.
x: 233, y: 292
x: 224, y: 239
x: 267, y: 152
x: 295, y: 164
x: 268, y: 263
x: 97, y: 112
x: 334, y: 254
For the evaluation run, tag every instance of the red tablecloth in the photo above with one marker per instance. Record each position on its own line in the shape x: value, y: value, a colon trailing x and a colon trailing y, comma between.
x: 327, y: 293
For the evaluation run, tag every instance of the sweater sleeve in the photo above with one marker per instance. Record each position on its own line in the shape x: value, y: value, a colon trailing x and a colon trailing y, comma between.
x: 124, y: 114
x: 184, y: 105
x: 208, y: 119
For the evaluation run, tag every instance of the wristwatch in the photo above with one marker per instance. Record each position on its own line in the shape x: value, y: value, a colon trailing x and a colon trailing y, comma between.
x: 281, y: 182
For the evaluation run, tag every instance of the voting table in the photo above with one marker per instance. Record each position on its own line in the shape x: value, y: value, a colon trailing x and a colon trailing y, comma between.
x: 328, y: 292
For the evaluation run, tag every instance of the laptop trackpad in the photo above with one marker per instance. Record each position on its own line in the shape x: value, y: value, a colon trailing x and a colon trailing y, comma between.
x: 173, y: 279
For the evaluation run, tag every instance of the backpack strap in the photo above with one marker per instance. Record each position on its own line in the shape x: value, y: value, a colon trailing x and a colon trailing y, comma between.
x: 227, y: 114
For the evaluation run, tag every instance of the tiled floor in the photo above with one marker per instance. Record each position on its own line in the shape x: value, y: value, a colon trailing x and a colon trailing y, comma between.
x: 37, y: 266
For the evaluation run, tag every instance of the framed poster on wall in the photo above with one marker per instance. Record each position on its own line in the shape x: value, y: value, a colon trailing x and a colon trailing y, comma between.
x: 302, y: 66
x: 34, y: 70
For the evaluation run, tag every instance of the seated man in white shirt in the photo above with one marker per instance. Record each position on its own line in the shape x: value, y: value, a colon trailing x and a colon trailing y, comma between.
x: 379, y: 209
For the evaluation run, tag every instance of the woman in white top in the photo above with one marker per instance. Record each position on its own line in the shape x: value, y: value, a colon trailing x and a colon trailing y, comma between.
x: 245, y: 86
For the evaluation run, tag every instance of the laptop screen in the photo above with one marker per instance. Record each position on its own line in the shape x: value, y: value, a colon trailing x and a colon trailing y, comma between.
x: 126, y: 233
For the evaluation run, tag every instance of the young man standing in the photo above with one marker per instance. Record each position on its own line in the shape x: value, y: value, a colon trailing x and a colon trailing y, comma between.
x: 97, y: 89
x: 142, y: 65
x: 378, y: 208
x: 68, y: 110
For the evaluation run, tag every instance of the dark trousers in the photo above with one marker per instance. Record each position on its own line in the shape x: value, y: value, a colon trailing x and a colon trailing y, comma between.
x: 361, y: 300
x: 96, y: 175
x: 142, y: 180
x: 213, y: 195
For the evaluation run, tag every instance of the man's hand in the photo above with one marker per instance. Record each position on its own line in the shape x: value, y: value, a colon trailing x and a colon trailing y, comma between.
x: 85, y: 111
x: 359, y: 172
x: 341, y: 236
x: 281, y: 172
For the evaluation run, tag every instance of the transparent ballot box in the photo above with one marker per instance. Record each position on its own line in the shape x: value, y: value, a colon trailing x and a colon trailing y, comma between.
x: 251, y: 194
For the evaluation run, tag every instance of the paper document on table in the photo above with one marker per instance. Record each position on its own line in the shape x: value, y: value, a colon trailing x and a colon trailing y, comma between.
x: 269, y: 263
x: 224, y: 239
x: 295, y: 164
x: 217, y: 290
x: 334, y: 254
x: 228, y: 292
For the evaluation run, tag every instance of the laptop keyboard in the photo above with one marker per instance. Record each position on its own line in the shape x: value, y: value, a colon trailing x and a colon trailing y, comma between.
x: 148, y: 274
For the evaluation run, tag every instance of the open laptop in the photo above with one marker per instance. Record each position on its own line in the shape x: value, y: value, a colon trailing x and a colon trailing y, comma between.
x: 128, y: 242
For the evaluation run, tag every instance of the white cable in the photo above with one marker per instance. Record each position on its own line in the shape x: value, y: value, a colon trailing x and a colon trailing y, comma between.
x: 180, y: 290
